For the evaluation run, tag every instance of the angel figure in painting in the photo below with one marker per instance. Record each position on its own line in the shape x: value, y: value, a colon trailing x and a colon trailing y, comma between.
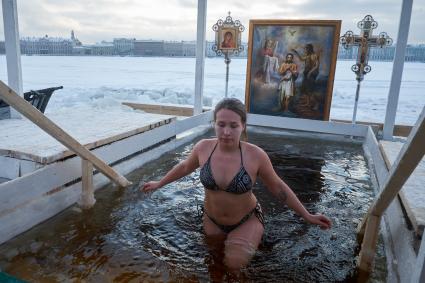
x: 270, y: 63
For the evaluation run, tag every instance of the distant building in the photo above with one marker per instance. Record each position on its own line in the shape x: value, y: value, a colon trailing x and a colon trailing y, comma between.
x: 101, y: 49
x: 380, y: 54
x: 2, y: 48
x: 49, y: 45
x: 148, y: 48
x: 244, y: 52
x: 189, y: 48
x: 209, y: 52
x: 173, y: 48
x: 81, y: 50
x: 124, y: 46
x: 75, y: 41
x: 46, y: 46
x: 130, y: 46
x: 413, y: 53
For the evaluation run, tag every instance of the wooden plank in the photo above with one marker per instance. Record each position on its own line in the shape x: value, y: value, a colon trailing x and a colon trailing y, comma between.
x: 307, y: 125
x: 87, y: 199
x: 27, y: 166
x: 178, y: 110
x: 373, y: 148
x: 412, y: 195
x: 12, y: 168
x: 194, y: 121
x: 22, y: 139
x: 37, y: 210
x: 407, y: 160
x: 9, y: 167
x: 399, y: 130
x: 26, y: 109
x: 21, y: 190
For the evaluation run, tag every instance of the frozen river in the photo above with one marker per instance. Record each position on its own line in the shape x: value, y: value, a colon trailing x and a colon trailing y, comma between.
x: 103, y: 82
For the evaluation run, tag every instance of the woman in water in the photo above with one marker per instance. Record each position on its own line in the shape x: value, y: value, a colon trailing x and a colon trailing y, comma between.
x: 229, y: 168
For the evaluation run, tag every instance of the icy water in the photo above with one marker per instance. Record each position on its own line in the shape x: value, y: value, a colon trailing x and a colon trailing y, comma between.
x: 130, y: 236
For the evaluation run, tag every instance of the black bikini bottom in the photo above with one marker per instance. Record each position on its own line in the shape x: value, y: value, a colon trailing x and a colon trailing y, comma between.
x: 229, y: 228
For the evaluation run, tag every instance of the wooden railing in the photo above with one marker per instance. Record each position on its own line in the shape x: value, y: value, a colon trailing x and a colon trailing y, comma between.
x: 89, y: 159
x: 408, y: 159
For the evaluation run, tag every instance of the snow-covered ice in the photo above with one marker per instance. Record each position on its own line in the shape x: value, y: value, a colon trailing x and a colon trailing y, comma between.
x: 103, y: 82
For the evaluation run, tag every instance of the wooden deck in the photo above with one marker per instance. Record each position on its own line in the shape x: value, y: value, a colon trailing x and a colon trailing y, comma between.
x: 171, y: 109
x: 413, y: 193
x: 21, y: 139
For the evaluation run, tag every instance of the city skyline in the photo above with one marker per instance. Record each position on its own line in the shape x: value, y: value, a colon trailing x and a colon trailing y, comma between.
x: 175, y: 20
x: 110, y: 40
x: 132, y: 47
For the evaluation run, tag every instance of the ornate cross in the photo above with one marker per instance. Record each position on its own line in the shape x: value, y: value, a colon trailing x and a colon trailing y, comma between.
x: 364, y: 41
x: 227, y: 41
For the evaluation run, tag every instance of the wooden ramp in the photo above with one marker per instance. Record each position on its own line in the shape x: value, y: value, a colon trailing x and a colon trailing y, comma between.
x: 413, y: 193
x: 169, y: 109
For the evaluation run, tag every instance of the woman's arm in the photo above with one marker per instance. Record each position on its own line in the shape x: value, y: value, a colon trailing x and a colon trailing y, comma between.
x: 182, y: 169
x: 282, y: 192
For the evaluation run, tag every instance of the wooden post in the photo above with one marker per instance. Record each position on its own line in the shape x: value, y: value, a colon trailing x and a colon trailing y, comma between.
x: 87, y: 199
x: 200, y: 56
x: 38, y: 118
x: 398, y: 67
x: 407, y: 160
x: 13, y: 50
x: 367, y: 250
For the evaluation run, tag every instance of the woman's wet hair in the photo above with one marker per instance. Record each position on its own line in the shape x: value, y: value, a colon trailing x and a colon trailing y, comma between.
x: 235, y: 105
x: 232, y: 104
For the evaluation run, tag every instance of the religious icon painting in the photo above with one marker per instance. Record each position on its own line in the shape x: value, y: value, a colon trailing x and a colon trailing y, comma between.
x: 291, y: 67
x: 228, y: 36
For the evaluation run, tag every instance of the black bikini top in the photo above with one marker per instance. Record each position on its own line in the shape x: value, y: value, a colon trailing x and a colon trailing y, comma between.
x: 240, y: 184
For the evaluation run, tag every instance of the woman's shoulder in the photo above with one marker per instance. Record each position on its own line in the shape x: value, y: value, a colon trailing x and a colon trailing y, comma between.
x: 253, y: 150
x: 205, y: 143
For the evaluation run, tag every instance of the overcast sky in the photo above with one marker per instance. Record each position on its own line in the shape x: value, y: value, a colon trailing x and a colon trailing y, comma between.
x: 97, y: 20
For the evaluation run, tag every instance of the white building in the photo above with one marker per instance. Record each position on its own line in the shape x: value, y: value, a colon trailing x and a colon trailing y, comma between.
x: 102, y: 49
x: 46, y: 46
x: 189, y: 48
x: 123, y: 46
x: 173, y: 48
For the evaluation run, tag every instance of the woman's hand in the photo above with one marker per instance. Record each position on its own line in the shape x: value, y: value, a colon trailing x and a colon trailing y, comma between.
x: 319, y: 219
x: 150, y: 186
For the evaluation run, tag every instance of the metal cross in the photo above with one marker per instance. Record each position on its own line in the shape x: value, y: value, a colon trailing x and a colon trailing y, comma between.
x: 364, y: 41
